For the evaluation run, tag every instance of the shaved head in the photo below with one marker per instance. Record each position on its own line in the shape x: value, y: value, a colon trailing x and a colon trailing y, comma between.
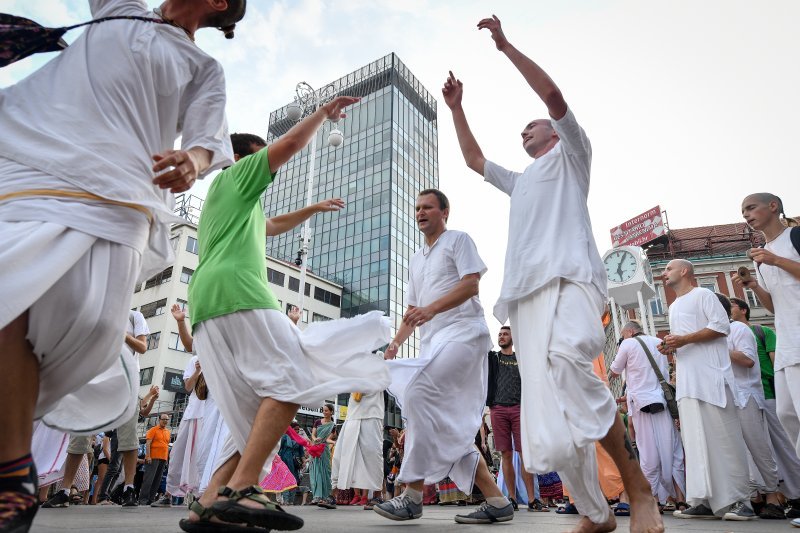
x: 684, y: 264
x: 678, y: 274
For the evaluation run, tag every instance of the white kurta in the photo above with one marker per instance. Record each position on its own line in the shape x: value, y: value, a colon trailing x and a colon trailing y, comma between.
x: 183, y: 476
x: 49, y: 451
x: 442, y: 393
x: 358, y: 455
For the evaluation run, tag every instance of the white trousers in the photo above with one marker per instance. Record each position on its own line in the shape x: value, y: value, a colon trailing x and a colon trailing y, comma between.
x: 77, y: 291
x: 565, y: 407
x: 756, y: 437
x: 248, y: 356
x: 442, y: 394
x: 716, y: 455
x: 787, y: 395
x: 183, y: 475
x: 785, y: 455
x: 358, y: 456
x: 660, y: 453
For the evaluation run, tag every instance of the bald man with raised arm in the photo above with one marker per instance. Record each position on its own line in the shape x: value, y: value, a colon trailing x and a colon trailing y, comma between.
x: 716, y: 456
x: 555, y: 300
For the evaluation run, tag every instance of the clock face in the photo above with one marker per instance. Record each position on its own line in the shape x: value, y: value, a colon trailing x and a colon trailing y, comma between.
x: 620, y: 266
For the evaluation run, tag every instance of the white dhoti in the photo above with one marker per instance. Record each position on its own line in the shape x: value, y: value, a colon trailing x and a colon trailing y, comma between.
x: 184, y: 473
x: 716, y: 455
x: 565, y: 407
x: 787, y: 395
x: 251, y: 355
x: 77, y: 290
x: 358, y: 456
x: 442, y: 395
x: 756, y: 437
x: 212, y: 438
x: 785, y: 455
x: 660, y: 453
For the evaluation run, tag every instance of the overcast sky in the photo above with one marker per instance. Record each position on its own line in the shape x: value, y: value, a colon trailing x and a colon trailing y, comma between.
x: 689, y: 105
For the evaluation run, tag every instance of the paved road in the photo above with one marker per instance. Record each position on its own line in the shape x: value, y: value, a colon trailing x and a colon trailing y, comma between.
x: 353, y: 519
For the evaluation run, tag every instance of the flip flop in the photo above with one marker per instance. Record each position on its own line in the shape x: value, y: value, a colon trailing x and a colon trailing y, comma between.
x: 623, y: 509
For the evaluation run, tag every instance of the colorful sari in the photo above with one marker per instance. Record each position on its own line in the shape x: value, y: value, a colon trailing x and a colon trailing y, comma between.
x: 321, y: 466
x: 280, y: 478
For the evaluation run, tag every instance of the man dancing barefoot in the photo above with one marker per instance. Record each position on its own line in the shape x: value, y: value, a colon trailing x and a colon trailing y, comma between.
x: 554, y: 290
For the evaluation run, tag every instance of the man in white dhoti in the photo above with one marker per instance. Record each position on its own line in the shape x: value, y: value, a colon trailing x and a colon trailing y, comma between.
x: 358, y: 456
x: 750, y: 395
x: 657, y: 439
x: 443, y: 391
x: 778, y: 288
x: 554, y: 290
x: 782, y: 446
x: 716, y: 456
x: 258, y: 365
x: 80, y: 141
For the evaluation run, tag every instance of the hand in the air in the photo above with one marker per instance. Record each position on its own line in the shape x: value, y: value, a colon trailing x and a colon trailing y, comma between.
x: 493, y: 25
x: 178, y: 313
x: 331, y: 204
x: 452, y: 91
x: 333, y: 109
x: 294, y: 314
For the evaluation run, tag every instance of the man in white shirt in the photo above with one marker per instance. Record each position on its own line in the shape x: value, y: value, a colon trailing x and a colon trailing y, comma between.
x: 554, y: 291
x: 716, y: 456
x: 778, y: 288
x: 657, y: 439
x: 81, y: 140
x: 443, y: 391
x: 750, y: 394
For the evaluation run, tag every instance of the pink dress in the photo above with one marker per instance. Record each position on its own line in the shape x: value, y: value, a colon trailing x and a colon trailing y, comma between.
x: 280, y: 478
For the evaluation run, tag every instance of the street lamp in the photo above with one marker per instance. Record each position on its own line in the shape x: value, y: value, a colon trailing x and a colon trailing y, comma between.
x: 306, y: 102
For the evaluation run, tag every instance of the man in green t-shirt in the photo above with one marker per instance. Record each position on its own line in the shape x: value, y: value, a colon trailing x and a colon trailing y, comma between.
x: 785, y: 456
x: 257, y: 364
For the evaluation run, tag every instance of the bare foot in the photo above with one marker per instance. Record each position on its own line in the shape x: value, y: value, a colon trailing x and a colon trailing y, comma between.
x: 645, y: 517
x: 587, y: 526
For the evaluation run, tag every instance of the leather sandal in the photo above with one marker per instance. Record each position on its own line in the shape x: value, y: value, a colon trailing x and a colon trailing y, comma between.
x: 269, y: 515
x: 205, y: 525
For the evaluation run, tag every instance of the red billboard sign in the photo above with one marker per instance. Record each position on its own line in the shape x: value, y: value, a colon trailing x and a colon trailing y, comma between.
x: 639, y: 230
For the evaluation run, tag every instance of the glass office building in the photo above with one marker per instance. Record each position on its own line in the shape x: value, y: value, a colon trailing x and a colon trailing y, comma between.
x: 389, y: 154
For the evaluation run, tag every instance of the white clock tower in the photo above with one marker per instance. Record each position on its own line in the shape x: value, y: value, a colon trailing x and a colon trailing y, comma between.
x: 630, y: 284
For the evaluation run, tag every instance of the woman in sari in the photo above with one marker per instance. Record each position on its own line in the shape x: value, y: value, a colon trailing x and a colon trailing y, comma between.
x: 321, y: 466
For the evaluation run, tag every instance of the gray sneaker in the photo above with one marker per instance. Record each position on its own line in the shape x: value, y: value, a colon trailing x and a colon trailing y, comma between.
x: 399, y: 508
x: 698, y: 512
x: 739, y: 511
x: 795, y: 522
x: 487, y: 514
x: 166, y: 501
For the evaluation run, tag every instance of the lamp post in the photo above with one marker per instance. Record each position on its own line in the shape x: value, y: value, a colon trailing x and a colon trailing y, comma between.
x: 306, y: 102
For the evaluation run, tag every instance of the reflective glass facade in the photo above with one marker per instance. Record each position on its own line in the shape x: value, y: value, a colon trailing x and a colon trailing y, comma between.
x: 389, y: 154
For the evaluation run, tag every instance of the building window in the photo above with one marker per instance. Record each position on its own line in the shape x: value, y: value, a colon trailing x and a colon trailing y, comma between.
x: 294, y: 285
x: 278, y: 278
x: 159, y: 279
x: 152, y: 340
x: 154, y: 308
x: 175, y: 342
x: 137, y: 288
x: 708, y: 283
x: 316, y: 317
x: 146, y: 376
x: 327, y: 296
x: 191, y: 245
x: 752, y: 299
x: 305, y: 316
x: 186, y: 275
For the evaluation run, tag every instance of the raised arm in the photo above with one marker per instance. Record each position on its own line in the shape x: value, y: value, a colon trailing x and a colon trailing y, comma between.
x: 301, y: 134
x: 537, y: 78
x: 452, y: 92
x: 283, y: 223
x: 183, y: 330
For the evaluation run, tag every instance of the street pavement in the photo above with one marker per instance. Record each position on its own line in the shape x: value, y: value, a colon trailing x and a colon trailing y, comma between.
x: 435, y: 519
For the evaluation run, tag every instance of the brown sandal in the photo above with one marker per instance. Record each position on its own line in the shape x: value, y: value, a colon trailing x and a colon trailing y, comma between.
x: 270, y: 515
x: 205, y: 525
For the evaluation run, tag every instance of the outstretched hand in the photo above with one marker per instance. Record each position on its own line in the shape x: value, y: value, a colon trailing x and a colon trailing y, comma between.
x: 177, y: 313
x: 452, y: 91
x: 331, y: 204
x: 333, y: 109
x: 493, y: 25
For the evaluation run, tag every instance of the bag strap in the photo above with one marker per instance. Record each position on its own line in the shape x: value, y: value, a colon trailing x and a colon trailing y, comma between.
x: 794, y: 236
x: 760, y: 335
x: 117, y: 17
x: 652, y: 361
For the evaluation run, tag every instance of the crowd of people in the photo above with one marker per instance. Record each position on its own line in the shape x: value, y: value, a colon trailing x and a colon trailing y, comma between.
x: 89, y: 151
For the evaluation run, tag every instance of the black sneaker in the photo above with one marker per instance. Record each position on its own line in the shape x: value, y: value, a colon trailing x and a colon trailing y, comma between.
x: 739, y: 511
x: 61, y: 499
x: 487, y: 514
x: 514, y: 504
x: 330, y: 503
x: 166, y: 501
x: 399, y: 508
x: 129, y: 498
x: 793, y: 508
x: 771, y: 511
x: 698, y: 512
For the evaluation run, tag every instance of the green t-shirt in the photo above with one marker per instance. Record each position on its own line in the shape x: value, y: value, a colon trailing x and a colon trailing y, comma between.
x: 767, y: 370
x: 232, y: 274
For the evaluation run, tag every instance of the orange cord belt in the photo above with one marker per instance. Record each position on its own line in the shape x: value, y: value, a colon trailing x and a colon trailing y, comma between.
x: 72, y: 194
